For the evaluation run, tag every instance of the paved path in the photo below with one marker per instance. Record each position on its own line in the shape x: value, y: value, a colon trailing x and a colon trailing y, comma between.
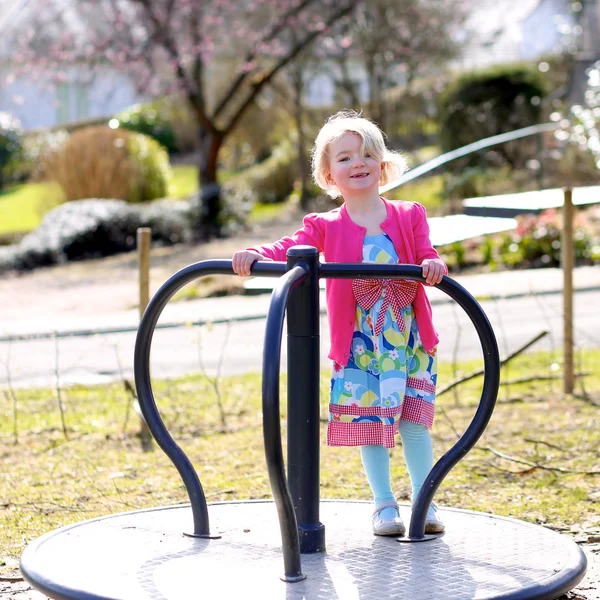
x: 64, y: 309
x: 231, y: 348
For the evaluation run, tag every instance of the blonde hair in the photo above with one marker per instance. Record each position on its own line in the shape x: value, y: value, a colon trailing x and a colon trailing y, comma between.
x: 348, y: 121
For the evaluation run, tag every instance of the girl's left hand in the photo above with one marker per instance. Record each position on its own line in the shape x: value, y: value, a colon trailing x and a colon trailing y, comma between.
x: 433, y: 270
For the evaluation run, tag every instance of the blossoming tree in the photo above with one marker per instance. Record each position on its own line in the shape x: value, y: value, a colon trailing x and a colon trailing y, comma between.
x: 184, y: 46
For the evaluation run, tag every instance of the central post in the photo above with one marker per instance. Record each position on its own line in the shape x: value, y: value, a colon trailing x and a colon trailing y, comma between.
x: 303, y: 400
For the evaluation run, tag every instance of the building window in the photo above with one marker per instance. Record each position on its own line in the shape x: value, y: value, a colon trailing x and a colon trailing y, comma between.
x: 72, y: 102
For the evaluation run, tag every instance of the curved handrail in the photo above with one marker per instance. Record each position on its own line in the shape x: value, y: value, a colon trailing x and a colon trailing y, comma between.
x: 272, y: 430
x: 271, y: 422
x: 436, y: 162
x: 491, y: 378
x: 141, y: 365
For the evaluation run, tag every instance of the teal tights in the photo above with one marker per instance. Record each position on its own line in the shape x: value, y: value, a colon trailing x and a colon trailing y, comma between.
x: 418, y: 454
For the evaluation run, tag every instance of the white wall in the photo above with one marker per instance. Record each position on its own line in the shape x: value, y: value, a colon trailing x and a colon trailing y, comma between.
x: 494, y: 32
x: 320, y: 83
x: 541, y: 31
x: 83, y: 95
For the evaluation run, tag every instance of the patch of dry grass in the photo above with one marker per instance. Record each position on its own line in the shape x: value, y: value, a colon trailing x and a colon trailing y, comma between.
x: 48, y: 480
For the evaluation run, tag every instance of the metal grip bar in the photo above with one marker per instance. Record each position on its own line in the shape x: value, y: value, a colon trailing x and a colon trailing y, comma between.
x: 491, y: 369
x: 271, y: 422
x: 141, y: 367
x: 491, y: 382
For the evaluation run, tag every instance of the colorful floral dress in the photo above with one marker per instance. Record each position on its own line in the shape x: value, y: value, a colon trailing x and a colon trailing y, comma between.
x: 389, y: 375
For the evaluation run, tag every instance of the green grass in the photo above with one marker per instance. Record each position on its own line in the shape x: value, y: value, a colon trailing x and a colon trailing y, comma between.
x: 22, y: 207
x: 185, y: 181
x: 266, y: 211
x: 48, y: 480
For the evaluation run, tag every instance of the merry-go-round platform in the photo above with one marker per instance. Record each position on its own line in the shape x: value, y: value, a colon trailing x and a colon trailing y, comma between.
x: 144, y: 555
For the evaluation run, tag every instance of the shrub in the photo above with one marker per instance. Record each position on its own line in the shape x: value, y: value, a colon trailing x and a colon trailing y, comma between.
x: 489, y: 102
x: 95, y: 228
x: 36, y: 146
x: 99, y: 162
x: 10, y: 146
x: 154, y: 119
x: 171, y: 221
x: 537, y: 242
x: 271, y: 180
x: 260, y: 130
x: 155, y: 172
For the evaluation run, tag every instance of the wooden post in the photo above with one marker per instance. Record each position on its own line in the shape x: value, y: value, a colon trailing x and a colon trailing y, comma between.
x: 144, y: 235
x: 567, y: 263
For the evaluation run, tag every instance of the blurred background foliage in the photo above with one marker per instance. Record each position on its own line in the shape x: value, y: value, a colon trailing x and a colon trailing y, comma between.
x: 148, y: 152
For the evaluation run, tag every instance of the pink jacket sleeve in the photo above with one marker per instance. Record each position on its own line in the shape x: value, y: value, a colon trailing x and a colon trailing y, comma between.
x: 423, y: 247
x: 310, y: 234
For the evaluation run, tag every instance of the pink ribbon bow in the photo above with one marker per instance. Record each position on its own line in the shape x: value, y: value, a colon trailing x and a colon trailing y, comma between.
x: 398, y: 293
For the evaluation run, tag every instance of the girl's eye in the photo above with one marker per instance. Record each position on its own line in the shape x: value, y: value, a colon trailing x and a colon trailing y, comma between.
x: 343, y: 159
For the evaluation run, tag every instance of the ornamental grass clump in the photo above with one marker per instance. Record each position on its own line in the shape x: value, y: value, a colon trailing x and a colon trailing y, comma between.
x: 99, y: 162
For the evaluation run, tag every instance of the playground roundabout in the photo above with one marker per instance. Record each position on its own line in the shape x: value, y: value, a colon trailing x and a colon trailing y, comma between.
x: 279, y: 549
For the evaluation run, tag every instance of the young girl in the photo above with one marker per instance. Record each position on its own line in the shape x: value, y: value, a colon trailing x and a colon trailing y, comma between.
x: 383, y: 342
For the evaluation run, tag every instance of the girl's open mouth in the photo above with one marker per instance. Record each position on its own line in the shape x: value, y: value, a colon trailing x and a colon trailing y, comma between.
x: 359, y: 175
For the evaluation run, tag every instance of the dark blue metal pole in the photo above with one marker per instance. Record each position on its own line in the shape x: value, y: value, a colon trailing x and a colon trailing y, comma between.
x: 303, y: 400
x: 290, y: 536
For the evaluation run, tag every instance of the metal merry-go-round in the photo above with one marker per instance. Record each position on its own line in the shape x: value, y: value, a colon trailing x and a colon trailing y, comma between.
x: 278, y: 549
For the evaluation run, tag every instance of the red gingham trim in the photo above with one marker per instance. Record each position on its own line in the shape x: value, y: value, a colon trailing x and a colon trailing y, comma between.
x: 417, y: 410
x: 420, y: 384
x: 364, y: 411
x: 360, y: 434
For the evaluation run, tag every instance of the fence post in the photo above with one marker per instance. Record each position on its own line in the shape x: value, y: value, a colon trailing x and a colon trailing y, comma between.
x: 567, y: 263
x: 144, y: 237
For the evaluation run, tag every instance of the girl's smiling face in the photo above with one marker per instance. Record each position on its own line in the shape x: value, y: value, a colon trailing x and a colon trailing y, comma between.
x: 349, y: 170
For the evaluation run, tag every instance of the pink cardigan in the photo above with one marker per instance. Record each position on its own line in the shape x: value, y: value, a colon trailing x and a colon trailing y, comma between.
x: 341, y: 240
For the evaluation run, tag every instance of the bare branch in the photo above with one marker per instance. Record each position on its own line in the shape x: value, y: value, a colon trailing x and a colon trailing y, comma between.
x: 216, y: 381
x: 535, y: 465
x: 259, y: 83
x: 163, y: 36
x: 503, y: 361
x: 276, y: 28
x: 450, y: 422
x: 544, y: 444
x: 9, y: 393
x: 580, y: 375
x: 57, y: 386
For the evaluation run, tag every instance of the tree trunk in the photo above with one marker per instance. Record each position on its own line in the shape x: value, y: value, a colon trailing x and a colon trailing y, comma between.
x: 303, y: 167
x: 209, y: 221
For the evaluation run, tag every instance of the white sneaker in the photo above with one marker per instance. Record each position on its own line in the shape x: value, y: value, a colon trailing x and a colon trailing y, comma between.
x: 433, y: 523
x: 393, y: 526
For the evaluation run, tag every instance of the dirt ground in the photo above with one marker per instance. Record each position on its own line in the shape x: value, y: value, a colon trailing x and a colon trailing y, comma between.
x: 110, y: 284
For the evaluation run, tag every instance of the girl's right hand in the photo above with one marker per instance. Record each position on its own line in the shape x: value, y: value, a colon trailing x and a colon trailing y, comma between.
x: 243, y: 260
